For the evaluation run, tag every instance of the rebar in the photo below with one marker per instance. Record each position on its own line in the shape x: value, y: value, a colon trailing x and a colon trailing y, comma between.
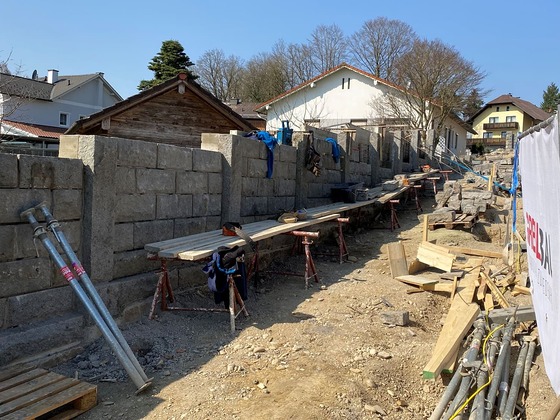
x: 516, y: 381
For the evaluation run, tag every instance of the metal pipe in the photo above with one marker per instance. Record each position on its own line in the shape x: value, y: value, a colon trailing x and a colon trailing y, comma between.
x: 503, y: 390
x: 478, y: 411
x: 470, y: 357
x: 516, y: 381
x: 40, y: 232
x: 54, y: 227
x: 529, y: 363
x: 497, y: 375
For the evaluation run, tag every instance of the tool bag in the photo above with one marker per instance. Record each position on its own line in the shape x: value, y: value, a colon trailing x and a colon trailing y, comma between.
x: 226, y: 261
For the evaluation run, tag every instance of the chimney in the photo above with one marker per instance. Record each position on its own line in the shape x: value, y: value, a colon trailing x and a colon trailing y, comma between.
x: 52, y: 76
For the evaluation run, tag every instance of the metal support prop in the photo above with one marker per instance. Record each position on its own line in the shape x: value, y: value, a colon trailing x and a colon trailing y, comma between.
x: 516, y: 382
x: 310, y: 270
x: 503, y: 389
x: 343, y: 250
x: 497, y: 376
x: 470, y: 357
x: 394, y: 220
x: 40, y: 232
x: 54, y: 227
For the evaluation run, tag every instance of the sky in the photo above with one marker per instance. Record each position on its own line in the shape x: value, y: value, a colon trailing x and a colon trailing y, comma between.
x: 513, y: 42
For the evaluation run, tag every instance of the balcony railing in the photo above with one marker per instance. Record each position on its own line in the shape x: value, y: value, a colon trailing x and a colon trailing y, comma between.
x: 501, y: 126
x: 497, y: 141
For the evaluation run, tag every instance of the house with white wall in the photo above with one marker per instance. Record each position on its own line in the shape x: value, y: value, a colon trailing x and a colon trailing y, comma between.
x: 347, y: 95
x: 36, y: 111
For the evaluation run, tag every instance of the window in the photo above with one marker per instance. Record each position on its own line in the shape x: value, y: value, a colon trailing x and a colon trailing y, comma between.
x: 497, y: 109
x: 507, y: 108
x: 456, y: 140
x: 63, y: 119
x: 346, y: 82
x: 510, y: 119
x: 488, y: 135
x: 343, y: 79
x: 503, y: 134
x: 348, y: 85
x: 493, y: 120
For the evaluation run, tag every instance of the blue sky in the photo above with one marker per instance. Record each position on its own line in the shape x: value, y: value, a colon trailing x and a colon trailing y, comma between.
x: 513, y: 42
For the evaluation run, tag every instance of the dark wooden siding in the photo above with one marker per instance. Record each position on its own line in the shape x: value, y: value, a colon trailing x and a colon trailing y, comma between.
x: 169, y: 118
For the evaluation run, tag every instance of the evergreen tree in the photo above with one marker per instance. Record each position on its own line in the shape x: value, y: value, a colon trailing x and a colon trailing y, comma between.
x: 551, y: 98
x: 170, y: 61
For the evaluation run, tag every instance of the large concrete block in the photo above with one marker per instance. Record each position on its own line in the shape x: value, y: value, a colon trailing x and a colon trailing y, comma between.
x: 286, y: 153
x: 266, y: 187
x: 251, y: 148
x: 152, y: 231
x: 50, y: 172
x: 3, y: 313
x: 155, y: 180
x: 133, y: 208
x: 27, y: 308
x: 284, y: 187
x: 206, y: 161
x: 123, y: 239
x: 254, y: 206
x: 207, y: 205
x: 250, y: 187
x: 137, y: 154
x: 192, y: 183
x: 23, y: 244
x: 174, y: 157
x: 256, y: 168
x: 130, y: 263
x: 25, y: 276
x: 185, y: 227
x: 14, y: 201
x: 67, y: 204
x: 174, y: 206
x: 280, y: 204
x: 477, y: 194
x: 8, y: 242
x: 125, y: 180
x: 9, y: 171
x: 215, y: 181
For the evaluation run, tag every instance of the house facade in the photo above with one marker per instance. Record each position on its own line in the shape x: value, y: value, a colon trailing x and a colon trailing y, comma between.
x: 500, y: 121
x: 176, y: 112
x: 35, y: 111
x: 345, y: 96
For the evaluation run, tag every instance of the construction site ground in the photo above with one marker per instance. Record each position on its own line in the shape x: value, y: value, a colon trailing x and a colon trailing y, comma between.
x: 317, y: 353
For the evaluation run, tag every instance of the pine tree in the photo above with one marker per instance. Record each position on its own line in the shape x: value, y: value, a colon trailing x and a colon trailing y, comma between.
x: 551, y: 98
x: 170, y: 61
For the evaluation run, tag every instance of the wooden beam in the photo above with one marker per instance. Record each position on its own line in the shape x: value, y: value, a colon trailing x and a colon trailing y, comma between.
x: 495, y: 291
x: 459, y: 320
x: 520, y: 290
x: 416, y: 280
x: 397, y: 259
x: 425, y: 228
x: 474, y: 252
x: 438, y: 258
x: 416, y: 266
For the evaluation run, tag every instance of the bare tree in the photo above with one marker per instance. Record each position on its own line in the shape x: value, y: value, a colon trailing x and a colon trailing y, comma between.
x: 328, y: 47
x: 263, y: 79
x: 220, y: 75
x: 436, y: 81
x: 296, y: 60
x: 379, y: 43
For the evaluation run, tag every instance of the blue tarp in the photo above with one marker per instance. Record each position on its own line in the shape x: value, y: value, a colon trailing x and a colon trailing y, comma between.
x: 335, y: 149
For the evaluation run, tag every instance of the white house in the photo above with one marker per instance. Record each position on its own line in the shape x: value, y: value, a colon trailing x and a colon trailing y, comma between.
x: 37, y: 110
x: 346, y: 95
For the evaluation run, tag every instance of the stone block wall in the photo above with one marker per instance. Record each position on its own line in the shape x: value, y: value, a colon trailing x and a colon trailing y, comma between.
x: 31, y: 288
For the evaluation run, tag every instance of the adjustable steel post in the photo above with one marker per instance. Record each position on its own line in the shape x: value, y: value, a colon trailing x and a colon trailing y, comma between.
x: 40, y: 232
x: 394, y: 220
x: 54, y: 227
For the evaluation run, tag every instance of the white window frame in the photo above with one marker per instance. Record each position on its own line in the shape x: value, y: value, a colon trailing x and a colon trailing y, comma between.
x: 66, y: 118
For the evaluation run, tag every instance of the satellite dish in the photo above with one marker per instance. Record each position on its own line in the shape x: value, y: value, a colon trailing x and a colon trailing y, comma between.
x: 34, y: 76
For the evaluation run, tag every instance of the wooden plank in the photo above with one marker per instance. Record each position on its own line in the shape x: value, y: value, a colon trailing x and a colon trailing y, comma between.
x: 82, y: 396
x: 488, y: 302
x: 500, y: 298
x: 19, y: 379
x: 459, y: 320
x: 452, y: 275
x: 425, y: 229
x: 520, y: 290
x: 416, y: 280
x: 416, y: 266
x: 435, y: 256
x: 474, y: 252
x: 28, y: 387
x: 481, y: 291
x: 10, y: 372
x: 440, y: 287
x: 397, y: 259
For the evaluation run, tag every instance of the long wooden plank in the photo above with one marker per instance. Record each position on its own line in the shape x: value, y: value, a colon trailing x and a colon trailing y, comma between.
x: 19, y: 379
x: 474, y: 252
x: 397, y: 259
x: 197, y: 251
x: 460, y: 317
x: 28, y: 387
x: 416, y: 280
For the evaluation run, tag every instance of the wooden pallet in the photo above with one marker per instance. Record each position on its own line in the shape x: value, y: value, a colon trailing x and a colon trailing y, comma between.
x: 29, y: 393
x: 466, y: 221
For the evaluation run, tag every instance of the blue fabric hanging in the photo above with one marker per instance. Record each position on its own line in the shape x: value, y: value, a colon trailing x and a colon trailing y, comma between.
x: 514, y: 185
x: 270, y: 143
x: 335, y: 149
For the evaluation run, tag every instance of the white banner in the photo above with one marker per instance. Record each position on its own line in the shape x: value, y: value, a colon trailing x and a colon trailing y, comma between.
x: 539, y: 166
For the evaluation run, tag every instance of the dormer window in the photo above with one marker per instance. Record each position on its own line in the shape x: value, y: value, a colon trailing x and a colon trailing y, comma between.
x: 63, y: 119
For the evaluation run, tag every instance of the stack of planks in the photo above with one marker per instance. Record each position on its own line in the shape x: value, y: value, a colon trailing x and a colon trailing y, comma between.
x: 474, y: 284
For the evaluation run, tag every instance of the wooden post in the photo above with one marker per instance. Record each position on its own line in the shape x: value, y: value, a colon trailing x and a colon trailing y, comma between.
x: 425, y: 228
x: 492, y: 176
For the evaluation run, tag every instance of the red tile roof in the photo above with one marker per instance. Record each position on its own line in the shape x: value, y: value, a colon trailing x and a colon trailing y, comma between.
x: 37, y: 130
